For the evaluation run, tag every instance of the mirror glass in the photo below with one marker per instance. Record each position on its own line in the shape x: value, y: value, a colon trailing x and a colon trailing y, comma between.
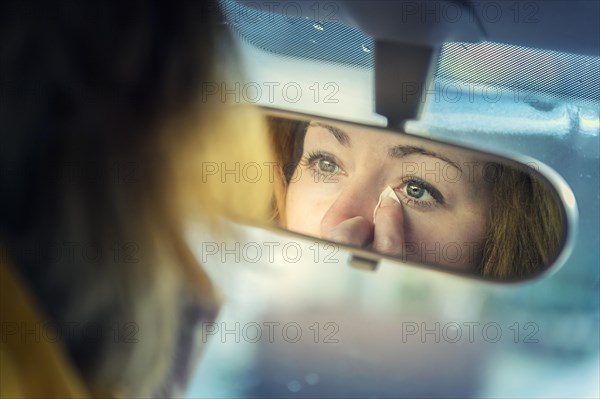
x: 413, y: 199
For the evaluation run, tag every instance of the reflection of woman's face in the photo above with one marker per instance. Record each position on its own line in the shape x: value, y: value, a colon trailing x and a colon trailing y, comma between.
x: 444, y: 198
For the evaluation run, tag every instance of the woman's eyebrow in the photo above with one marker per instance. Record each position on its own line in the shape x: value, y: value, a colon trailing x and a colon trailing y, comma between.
x: 400, y: 151
x: 339, y: 134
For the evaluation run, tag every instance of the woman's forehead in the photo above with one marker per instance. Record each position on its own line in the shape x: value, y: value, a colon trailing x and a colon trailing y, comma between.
x: 363, y: 138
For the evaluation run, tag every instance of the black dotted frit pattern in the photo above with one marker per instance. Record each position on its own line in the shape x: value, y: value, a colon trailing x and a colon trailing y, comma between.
x: 300, y: 36
x: 561, y: 75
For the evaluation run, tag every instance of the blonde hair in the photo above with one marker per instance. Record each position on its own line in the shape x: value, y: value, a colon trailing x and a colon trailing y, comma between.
x: 525, y: 224
x: 106, y: 128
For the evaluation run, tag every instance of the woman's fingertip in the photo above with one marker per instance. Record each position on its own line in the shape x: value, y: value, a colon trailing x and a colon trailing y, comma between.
x: 389, y: 201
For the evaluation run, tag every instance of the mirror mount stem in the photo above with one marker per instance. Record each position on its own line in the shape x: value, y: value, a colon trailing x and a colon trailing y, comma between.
x: 403, y: 75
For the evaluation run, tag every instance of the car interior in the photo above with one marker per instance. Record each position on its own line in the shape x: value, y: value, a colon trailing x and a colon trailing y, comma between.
x: 499, y: 98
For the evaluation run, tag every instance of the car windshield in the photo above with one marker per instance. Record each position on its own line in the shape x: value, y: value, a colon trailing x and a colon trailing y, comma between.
x: 307, y: 51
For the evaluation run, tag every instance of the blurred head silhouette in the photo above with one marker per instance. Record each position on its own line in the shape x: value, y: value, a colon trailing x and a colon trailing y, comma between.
x: 104, y: 127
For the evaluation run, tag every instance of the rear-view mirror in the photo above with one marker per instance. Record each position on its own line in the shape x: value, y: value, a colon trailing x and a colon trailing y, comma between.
x: 389, y: 194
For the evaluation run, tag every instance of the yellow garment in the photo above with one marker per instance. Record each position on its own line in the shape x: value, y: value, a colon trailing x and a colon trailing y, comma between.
x: 31, y: 366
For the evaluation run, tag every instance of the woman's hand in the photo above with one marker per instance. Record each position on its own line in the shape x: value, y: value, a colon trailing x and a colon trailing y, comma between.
x: 389, y: 228
x: 385, y: 234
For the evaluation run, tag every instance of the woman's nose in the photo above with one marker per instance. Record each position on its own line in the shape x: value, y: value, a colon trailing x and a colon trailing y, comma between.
x: 357, y: 199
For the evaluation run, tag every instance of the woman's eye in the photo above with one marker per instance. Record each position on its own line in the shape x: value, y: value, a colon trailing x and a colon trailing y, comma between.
x: 420, y: 193
x: 416, y: 191
x: 327, y: 166
x: 323, y: 164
